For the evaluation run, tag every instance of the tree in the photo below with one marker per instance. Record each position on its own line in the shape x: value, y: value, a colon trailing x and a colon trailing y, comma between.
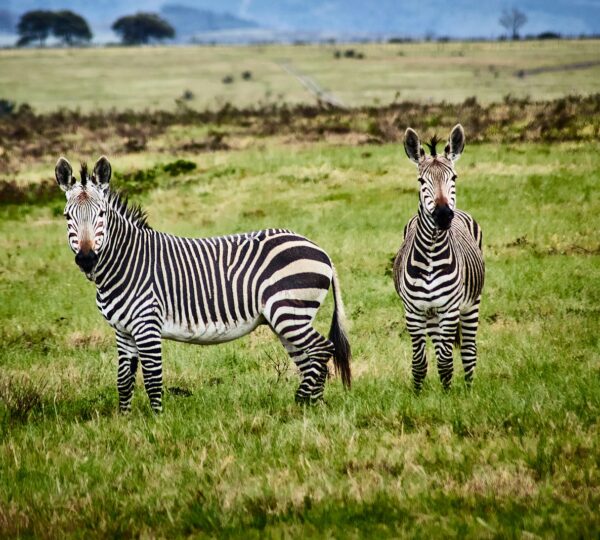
x: 35, y: 26
x: 70, y: 28
x: 513, y: 20
x: 142, y: 28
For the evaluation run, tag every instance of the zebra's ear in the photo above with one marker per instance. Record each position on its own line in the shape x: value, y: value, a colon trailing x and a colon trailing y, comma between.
x: 102, y: 172
x: 456, y: 143
x: 412, y: 146
x: 64, y: 174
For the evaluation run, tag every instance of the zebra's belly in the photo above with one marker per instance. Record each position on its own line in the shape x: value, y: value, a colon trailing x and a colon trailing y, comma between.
x: 211, y: 333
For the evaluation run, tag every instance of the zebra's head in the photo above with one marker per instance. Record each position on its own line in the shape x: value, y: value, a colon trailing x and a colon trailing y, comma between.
x: 85, y: 210
x: 437, y: 194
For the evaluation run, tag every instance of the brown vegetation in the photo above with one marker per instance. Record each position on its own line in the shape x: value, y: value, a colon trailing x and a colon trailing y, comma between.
x: 24, y: 134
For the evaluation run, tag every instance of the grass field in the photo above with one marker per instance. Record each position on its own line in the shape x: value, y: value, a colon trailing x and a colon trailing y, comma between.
x: 517, y: 456
x: 154, y: 77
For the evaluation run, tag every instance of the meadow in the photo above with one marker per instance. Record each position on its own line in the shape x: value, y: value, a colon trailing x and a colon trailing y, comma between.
x: 233, y: 455
x: 155, y: 77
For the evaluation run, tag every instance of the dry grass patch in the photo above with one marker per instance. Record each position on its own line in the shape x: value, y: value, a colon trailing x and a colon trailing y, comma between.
x: 94, y: 338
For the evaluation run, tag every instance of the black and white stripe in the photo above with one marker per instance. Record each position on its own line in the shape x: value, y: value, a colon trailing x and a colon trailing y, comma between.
x: 439, y: 270
x: 152, y: 285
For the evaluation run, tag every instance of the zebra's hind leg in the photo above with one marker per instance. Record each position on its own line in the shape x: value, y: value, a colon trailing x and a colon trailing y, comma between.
x: 128, y: 362
x: 310, y: 351
x: 469, y: 321
x: 443, y: 339
x: 416, y: 325
x: 148, y: 341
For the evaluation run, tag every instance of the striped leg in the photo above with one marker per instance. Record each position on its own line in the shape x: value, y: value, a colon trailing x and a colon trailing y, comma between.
x: 469, y: 321
x: 148, y: 342
x: 310, y: 351
x: 291, y: 319
x: 417, y: 328
x: 443, y: 339
x: 128, y: 362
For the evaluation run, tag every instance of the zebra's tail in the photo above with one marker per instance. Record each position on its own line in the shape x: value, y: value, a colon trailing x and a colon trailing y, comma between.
x: 337, y: 335
x: 458, y: 336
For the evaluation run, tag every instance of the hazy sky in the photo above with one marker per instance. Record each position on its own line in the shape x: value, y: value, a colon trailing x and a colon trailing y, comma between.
x: 459, y: 18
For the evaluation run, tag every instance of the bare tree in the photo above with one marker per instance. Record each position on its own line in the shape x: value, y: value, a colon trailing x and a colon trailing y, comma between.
x: 512, y: 20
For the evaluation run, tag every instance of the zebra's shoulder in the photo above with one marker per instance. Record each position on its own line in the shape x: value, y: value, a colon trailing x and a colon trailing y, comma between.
x: 466, y: 221
x: 411, y: 225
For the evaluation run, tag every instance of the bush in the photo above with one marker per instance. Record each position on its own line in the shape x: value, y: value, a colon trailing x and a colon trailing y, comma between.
x: 179, y: 166
x: 6, y: 107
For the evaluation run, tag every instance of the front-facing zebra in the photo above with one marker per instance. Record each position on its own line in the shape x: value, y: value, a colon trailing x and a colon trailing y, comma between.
x: 439, y: 269
x: 152, y: 285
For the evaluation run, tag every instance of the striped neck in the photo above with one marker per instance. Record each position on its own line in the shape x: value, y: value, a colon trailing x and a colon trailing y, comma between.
x: 429, y: 235
x: 122, y: 236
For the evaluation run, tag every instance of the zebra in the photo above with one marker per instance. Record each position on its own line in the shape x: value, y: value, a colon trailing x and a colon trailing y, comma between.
x: 152, y: 285
x: 439, y: 269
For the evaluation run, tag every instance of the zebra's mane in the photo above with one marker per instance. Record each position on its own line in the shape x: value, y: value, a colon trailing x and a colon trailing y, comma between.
x: 131, y: 212
x: 83, y: 173
x: 432, y: 144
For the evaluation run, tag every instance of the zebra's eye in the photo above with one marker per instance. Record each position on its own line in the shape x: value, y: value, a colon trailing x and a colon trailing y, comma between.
x: 101, y: 213
x: 67, y: 215
x: 421, y: 180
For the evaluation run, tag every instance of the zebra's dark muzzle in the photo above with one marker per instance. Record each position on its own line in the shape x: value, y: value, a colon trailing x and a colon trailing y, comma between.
x: 86, y: 261
x: 442, y: 215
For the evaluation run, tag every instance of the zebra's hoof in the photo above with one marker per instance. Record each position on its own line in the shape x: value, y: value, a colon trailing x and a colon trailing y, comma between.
x: 302, y: 400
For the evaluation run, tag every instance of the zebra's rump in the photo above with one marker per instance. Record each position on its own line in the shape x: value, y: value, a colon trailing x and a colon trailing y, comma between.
x: 216, y: 289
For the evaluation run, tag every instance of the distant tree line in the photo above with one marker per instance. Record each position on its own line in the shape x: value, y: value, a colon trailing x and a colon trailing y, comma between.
x: 72, y: 29
x: 66, y: 26
x: 35, y: 27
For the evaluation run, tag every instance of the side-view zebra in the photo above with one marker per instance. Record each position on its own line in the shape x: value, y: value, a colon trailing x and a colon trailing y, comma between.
x: 152, y: 285
x: 439, y: 269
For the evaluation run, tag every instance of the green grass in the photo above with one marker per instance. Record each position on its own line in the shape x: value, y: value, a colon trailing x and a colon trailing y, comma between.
x: 154, y: 77
x: 516, y: 456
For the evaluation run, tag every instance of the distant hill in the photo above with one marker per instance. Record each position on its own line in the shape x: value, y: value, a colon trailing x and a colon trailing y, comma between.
x: 189, y: 21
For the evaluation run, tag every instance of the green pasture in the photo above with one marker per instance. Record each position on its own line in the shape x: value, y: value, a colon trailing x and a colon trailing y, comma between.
x: 155, y: 77
x: 517, y: 456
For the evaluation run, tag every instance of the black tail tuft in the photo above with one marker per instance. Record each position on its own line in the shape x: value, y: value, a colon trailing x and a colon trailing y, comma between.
x: 342, y: 354
x: 458, y: 336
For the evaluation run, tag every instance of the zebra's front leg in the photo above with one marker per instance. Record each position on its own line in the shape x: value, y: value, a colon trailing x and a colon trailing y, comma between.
x: 469, y: 322
x: 128, y: 362
x: 148, y: 342
x: 416, y: 325
x: 443, y: 338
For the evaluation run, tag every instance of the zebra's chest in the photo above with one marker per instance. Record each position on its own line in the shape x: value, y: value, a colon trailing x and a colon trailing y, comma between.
x: 431, y: 288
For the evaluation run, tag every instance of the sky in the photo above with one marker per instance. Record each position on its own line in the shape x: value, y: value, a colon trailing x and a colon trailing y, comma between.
x: 354, y: 18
